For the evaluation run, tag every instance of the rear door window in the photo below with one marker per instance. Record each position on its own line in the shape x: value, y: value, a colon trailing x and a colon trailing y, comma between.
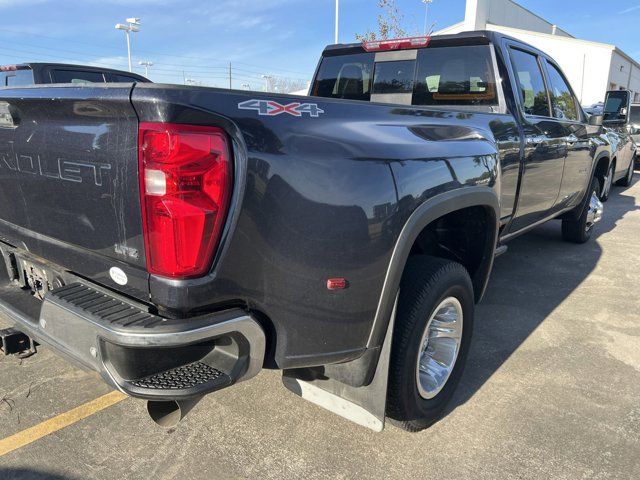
x: 455, y: 76
x: 563, y: 102
x: 533, y: 92
x: 77, y: 76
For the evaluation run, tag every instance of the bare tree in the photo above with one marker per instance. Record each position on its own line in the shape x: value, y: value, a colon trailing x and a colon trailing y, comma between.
x: 285, y: 84
x: 390, y: 23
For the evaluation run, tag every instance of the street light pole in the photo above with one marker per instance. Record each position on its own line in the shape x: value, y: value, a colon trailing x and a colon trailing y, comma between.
x: 426, y: 13
x: 128, y: 34
x: 337, y: 21
x: 266, y: 82
x: 146, y: 64
x: 132, y: 25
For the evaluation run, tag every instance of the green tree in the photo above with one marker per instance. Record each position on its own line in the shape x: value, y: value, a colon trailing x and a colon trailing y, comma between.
x: 390, y: 23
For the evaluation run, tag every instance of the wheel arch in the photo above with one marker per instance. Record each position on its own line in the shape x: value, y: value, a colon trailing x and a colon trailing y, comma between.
x: 427, y: 213
x: 360, y: 372
x: 601, y: 167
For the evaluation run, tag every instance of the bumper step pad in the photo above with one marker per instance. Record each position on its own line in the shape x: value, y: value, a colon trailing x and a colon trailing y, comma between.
x: 196, y: 375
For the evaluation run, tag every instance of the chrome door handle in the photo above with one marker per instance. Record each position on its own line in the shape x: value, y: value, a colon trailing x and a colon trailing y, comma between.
x: 535, y: 140
x: 572, y: 140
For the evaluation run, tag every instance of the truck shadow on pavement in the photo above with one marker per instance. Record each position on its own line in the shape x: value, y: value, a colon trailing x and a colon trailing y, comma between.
x: 29, y: 474
x: 533, y: 278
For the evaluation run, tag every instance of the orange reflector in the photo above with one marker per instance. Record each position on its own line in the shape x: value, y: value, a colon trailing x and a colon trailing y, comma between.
x: 337, y: 283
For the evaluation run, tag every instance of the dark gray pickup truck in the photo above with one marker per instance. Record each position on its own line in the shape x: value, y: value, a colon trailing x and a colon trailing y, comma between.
x: 180, y: 239
x: 37, y: 73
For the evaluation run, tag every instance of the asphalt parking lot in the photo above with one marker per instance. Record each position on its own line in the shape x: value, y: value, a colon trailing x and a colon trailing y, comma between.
x: 551, y: 390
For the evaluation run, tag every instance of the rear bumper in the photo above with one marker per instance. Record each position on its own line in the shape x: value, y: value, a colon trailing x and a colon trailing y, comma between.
x: 139, y: 353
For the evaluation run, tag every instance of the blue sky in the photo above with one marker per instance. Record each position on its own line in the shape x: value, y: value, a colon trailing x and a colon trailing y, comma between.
x: 273, y: 37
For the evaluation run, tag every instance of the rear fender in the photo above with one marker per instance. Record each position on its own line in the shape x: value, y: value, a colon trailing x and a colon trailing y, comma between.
x: 356, y: 390
x: 359, y: 372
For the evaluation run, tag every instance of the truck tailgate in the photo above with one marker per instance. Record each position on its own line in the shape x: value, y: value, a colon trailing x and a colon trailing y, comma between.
x: 69, y: 189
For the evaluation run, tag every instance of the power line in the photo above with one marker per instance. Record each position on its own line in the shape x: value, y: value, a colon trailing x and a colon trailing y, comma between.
x: 216, y: 71
x: 148, y: 52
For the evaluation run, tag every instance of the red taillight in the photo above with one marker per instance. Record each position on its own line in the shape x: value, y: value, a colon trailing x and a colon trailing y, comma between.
x: 396, y: 44
x: 185, y: 186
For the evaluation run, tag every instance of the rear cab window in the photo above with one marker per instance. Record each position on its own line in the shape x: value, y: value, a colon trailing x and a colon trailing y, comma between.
x: 434, y: 76
x: 16, y: 78
x: 345, y: 76
x: 456, y: 76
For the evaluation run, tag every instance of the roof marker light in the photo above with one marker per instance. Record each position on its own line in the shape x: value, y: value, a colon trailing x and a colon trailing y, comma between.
x: 396, y: 44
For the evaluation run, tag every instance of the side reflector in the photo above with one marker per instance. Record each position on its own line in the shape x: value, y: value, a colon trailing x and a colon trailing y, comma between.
x: 337, y: 283
x: 185, y: 187
x: 396, y: 44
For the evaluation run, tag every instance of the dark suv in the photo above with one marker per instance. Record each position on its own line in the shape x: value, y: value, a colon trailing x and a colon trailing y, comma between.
x: 39, y: 73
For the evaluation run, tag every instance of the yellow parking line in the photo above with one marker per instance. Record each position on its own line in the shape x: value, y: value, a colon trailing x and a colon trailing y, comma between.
x: 25, y: 437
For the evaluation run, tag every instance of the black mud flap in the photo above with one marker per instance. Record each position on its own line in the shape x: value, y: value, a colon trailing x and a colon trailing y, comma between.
x: 365, y: 405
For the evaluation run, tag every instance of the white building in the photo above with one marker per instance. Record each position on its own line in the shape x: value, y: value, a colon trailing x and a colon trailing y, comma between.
x: 591, y: 67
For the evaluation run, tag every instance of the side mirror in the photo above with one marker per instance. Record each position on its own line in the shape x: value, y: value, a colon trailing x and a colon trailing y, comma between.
x: 596, y: 120
x: 616, y: 107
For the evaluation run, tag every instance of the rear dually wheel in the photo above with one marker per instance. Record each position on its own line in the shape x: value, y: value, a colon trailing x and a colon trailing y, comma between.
x: 431, y: 340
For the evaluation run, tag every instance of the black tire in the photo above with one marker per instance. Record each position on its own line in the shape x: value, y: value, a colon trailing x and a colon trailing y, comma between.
x: 426, y: 282
x: 606, y: 192
x: 628, y: 178
x: 576, y: 230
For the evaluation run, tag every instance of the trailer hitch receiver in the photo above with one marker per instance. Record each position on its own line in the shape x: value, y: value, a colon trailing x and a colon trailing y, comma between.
x: 14, y: 342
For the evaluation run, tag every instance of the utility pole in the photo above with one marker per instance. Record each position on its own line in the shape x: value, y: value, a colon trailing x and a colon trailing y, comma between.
x: 426, y: 13
x: 230, y: 78
x: 132, y: 25
x: 335, y: 40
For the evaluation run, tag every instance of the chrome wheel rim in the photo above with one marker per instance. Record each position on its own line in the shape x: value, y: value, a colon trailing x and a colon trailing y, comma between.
x: 439, y: 347
x: 594, y: 215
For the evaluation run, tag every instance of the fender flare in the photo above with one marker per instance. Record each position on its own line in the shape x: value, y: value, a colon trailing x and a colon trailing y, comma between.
x: 427, y: 212
x: 575, y: 213
x: 360, y: 372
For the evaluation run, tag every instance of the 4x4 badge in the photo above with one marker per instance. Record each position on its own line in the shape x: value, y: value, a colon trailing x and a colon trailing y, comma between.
x: 272, y: 108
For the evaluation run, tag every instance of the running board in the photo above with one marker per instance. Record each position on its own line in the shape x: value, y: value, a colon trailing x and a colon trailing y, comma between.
x: 365, y: 405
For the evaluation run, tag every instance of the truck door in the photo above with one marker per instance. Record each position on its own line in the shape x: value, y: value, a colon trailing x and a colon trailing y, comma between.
x: 545, y: 146
x: 577, y: 165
